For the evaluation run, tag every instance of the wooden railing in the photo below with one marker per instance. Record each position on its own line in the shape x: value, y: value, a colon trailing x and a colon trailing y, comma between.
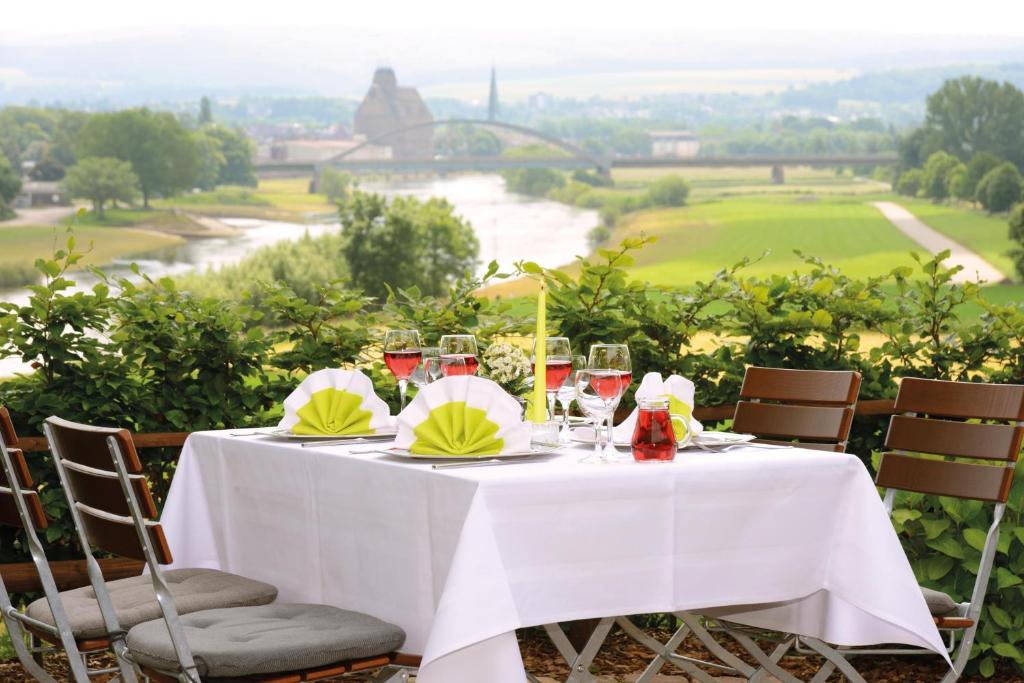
x: 21, y: 577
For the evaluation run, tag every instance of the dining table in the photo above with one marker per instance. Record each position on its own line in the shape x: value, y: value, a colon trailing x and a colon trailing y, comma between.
x: 788, y: 539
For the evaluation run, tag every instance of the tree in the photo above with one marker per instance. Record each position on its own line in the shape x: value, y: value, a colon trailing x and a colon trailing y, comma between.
x: 237, y: 150
x: 205, y: 111
x: 334, y: 184
x: 533, y: 181
x: 161, y: 151
x: 101, y: 179
x: 10, y: 184
x: 211, y: 159
x: 909, y: 183
x: 404, y: 244
x: 970, y: 115
x: 1000, y: 188
x: 938, y: 174
x: 1017, y: 235
x: 670, y: 190
x: 965, y: 185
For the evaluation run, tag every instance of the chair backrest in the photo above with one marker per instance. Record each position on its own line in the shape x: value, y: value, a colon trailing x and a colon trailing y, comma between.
x: 813, y: 407
x: 113, y: 509
x: 21, y: 507
x: 102, y: 476
x: 14, y: 462
x: 932, y: 422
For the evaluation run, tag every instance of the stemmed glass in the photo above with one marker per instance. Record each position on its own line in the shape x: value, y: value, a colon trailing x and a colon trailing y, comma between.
x: 567, y: 394
x: 558, y: 365
x: 597, y: 393
x: 614, y: 360
x: 402, y: 353
x: 429, y: 368
x: 461, y: 346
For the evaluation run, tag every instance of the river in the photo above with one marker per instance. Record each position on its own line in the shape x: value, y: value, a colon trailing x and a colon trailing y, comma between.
x: 510, y: 228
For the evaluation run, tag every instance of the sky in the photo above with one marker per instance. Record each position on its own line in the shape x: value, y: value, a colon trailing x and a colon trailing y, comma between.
x: 25, y: 19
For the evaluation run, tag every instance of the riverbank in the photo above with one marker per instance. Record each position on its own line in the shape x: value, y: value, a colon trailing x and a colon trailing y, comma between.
x: 274, y: 199
x: 21, y: 245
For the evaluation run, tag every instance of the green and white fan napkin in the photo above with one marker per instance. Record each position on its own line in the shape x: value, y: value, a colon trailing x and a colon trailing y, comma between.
x: 336, y: 402
x: 465, y: 416
x: 678, y: 390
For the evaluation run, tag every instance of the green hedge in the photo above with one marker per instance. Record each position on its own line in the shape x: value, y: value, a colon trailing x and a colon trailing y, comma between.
x: 153, y: 357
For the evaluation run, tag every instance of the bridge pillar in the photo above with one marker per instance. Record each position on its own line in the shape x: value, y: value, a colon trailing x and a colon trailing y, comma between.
x: 314, y: 184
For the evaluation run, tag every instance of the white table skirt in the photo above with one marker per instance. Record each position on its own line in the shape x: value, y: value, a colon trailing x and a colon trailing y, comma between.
x: 789, y: 539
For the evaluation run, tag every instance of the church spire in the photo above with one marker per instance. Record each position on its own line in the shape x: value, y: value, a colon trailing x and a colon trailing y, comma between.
x: 492, y: 101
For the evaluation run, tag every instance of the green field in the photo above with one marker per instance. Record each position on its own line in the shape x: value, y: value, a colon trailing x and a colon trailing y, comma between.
x: 709, y: 182
x: 696, y: 241
x: 285, y: 199
x: 976, y: 229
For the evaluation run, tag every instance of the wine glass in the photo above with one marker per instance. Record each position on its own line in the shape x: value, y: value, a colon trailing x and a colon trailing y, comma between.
x: 557, y: 364
x: 402, y: 353
x: 566, y: 394
x: 597, y: 392
x: 459, y: 346
x: 615, y: 359
x: 429, y: 368
x: 449, y: 366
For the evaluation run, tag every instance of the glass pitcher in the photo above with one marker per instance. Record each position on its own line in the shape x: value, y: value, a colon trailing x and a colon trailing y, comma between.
x: 654, y: 437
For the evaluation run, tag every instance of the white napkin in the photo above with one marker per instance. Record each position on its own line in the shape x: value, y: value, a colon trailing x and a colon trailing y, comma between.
x: 336, y: 402
x: 652, y: 386
x: 463, y: 416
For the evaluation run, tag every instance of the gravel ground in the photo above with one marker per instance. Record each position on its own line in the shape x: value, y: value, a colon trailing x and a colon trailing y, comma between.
x: 621, y: 660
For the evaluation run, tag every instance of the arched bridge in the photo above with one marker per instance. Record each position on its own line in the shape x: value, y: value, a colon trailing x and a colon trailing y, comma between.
x: 577, y: 156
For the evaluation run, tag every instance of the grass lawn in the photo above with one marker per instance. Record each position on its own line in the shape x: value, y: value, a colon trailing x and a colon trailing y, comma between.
x: 20, y: 246
x: 274, y: 199
x: 696, y: 241
x: 974, y: 228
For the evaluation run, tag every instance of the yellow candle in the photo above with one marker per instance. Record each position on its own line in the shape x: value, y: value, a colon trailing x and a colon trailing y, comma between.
x: 540, y: 357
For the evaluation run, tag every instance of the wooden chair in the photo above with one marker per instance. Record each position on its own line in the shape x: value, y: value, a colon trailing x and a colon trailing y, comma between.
x: 931, y: 448
x: 113, y: 510
x: 812, y: 407
x: 21, y: 508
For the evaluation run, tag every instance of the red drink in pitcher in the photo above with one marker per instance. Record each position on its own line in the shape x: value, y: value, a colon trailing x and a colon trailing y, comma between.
x: 654, y: 438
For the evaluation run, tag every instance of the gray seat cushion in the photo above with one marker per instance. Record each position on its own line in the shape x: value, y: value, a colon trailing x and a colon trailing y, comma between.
x: 939, y: 604
x: 135, y: 601
x: 246, y: 641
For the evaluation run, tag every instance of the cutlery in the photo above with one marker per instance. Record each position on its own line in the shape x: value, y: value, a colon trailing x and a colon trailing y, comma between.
x: 342, y: 442
x: 474, y: 463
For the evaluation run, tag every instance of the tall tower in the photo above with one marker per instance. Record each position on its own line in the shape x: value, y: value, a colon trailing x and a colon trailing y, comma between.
x: 492, y: 101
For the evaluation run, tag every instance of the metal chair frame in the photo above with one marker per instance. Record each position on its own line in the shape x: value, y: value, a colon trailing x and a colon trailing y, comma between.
x: 187, y: 671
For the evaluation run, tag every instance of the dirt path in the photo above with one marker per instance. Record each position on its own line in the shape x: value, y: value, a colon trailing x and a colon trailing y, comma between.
x: 974, y: 266
x: 45, y: 215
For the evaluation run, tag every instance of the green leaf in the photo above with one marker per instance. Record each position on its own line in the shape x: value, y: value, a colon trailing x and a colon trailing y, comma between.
x: 975, y: 538
x: 821, y: 318
x: 933, y: 528
x: 937, y: 566
x: 947, y: 545
x: 1000, y: 616
x: 1007, y: 650
x: 987, y: 667
x: 1005, y: 578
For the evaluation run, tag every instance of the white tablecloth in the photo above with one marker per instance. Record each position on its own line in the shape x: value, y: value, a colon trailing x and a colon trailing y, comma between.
x: 795, y: 540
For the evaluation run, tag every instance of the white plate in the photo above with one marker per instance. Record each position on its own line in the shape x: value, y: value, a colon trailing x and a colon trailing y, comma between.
x: 287, y: 434
x: 533, y: 452
x: 721, y: 438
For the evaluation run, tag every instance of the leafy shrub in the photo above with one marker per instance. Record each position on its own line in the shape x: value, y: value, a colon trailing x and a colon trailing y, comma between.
x: 909, y: 183
x: 537, y: 182
x: 938, y: 175
x: 1000, y: 188
x: 334, y: 184
x: 670, y: 190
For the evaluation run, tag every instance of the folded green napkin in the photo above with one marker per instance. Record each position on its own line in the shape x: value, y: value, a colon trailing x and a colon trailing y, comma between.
x: 456, y: 428
x: 333, y: 402
x: 333, y: 411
